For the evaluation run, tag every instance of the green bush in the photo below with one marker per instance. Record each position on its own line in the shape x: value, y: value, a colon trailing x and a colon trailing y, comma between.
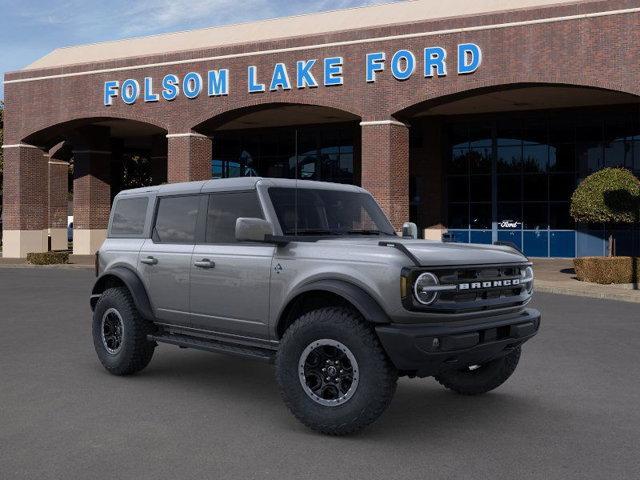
x: 611, y: 195
x: 607, y: 270
x: 48, y: 258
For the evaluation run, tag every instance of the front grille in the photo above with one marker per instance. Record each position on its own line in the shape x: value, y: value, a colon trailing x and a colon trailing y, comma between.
x: 482, y: 288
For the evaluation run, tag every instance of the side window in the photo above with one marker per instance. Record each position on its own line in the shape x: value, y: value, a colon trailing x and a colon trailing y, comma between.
x: 224, y: 209
x: 176, y: 219
x: 128, y: 217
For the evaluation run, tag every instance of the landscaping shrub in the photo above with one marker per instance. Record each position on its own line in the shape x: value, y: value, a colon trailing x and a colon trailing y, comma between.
x: 611, y: 195
x: 48, y: 258
x: 607, y: 270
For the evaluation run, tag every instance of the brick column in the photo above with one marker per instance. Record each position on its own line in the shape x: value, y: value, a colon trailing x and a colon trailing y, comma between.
x: 58, y: 191
x: 189, y: 157
x: 385, y: 167
x: 91, y: 199
x: 159, y: 159
x: 25, y: 212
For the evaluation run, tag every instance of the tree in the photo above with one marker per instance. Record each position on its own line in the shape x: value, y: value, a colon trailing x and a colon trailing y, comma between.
x: 609, y: 196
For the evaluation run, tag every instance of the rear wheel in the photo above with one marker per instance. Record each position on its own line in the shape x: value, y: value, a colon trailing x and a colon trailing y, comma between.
x: 477, y: 379
x: 120, y: 333
x: 332, y: 372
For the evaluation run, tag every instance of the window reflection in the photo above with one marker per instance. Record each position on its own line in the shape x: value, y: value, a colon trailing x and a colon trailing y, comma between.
x: 324, y: 153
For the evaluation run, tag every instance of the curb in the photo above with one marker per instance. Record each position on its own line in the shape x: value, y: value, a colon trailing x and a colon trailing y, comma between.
x: 553, y: 287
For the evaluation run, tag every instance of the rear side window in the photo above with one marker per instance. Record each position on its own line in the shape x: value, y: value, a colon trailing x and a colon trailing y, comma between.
x: 176, y: 219
x: 129, y: 216
x: 224, y: 209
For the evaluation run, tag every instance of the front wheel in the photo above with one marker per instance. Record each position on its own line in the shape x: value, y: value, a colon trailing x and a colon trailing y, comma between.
x: 120, y: 333
x: 332, y: 372
x: 477, y: 379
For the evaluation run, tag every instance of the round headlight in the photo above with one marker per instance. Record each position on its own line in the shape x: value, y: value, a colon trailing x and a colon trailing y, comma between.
x: 422, y: 288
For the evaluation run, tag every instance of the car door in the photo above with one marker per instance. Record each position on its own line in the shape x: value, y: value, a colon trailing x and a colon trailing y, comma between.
x: 230, y: 280
x: 165, y: 259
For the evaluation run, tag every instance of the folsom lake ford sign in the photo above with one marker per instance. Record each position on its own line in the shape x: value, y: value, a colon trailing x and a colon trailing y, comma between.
x: 308, y: 73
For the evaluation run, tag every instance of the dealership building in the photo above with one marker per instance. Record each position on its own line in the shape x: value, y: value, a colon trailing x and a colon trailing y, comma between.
x: 472, y: 118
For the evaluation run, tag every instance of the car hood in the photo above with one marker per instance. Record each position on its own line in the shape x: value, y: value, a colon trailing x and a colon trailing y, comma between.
x: 432, y: 253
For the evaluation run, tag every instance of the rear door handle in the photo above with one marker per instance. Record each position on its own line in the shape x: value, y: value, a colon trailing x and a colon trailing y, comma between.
x: 204, y: 263
x: 149, y: 260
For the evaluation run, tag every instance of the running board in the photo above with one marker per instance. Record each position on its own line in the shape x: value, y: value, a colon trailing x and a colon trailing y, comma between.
x: 185, y: 341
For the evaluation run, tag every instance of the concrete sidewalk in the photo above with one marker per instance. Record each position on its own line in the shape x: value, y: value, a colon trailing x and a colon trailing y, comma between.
x: 558, y: 276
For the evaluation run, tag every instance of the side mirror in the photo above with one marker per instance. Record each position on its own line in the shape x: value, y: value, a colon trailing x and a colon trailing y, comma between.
x: 252, y: 229
x: 409, y: 230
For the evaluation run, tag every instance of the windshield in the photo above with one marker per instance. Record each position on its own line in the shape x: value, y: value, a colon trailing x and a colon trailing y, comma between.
x: 328, y: 212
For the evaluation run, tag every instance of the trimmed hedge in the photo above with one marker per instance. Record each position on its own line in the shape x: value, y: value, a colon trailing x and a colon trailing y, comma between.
x: 607, y: 270
x: 48, y: 258
x: 611, y: 195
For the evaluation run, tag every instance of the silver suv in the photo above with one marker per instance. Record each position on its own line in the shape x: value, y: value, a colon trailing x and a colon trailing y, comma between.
x: 312, y: 277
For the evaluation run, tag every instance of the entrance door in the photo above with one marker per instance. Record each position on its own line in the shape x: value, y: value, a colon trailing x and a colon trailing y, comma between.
x: 165, y: 259
x: 230, y: 280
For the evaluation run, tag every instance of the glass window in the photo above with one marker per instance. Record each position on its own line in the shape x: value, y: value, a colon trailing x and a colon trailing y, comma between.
x: 480, y: 160
x: 559, y: 217
x: 618, y: 154
x: 307, y: 211
x: 535, y: 188
x: 223, y: 211
x: 562, y: 158
x: 176, y: 219
x: 458, y: 189
x: 535, y: 158
x: 509, y: 187
x: 480, y: 216
x: 129, y: 216
x: 509, y: 159
x: 535, y: 216
x: 561, y: 187
x: 458, y: 216
x: 459, y: 161
x: 510, y: 216
x: 481, y: 188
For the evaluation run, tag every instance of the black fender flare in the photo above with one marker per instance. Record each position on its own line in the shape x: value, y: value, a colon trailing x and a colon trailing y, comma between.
x: 132, y: 281
x: 368, y: 307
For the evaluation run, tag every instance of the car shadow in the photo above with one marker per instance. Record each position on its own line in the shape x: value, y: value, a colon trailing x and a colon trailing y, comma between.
x: 421, y: 409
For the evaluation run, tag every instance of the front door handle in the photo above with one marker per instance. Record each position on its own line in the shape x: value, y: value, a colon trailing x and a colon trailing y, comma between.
x: 149, y: 260
x: 204, y: 263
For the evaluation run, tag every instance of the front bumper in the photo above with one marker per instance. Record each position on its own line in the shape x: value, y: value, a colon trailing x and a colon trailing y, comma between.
x: 424, y: 350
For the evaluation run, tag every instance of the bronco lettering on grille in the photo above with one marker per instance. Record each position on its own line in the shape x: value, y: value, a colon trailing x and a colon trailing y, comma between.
x: 511, y: 282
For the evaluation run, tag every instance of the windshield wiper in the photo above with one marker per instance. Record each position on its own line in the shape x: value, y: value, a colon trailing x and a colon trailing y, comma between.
x: 314, y: 231
x: 366, y: 232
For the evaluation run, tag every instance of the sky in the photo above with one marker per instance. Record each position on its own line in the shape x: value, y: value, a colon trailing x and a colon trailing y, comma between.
x: 29, y: 29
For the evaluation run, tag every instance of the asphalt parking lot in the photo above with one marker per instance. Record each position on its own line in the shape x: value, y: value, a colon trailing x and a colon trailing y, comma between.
x: 569, y: 411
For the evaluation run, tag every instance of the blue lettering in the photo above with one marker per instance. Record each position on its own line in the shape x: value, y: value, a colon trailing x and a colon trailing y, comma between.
x: 218, y: 82
x: 375, y: 63
x: 333, y: 71
x: 254, y: 87
x: 130, y: 91
x: 110, y: 92
x: 434, y: 58
x: 403, y: 64
x: 280, y: 78
x: 469, y: 58
x: 170, y: 87
x: 149, y: 96
x: 192, y: 85
x: 304, y: 77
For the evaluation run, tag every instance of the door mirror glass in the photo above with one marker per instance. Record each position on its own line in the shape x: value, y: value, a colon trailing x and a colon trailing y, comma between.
x: 410, y: 230
x: 252, y: 229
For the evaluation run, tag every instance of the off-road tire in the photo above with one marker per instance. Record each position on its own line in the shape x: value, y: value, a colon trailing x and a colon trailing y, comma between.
x: 482, y: 380
x: 136, y: 351
x: 377, y: 376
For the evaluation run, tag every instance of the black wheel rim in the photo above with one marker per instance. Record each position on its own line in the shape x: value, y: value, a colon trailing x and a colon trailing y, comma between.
x: 112, y: 331
x: 328, y: 372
